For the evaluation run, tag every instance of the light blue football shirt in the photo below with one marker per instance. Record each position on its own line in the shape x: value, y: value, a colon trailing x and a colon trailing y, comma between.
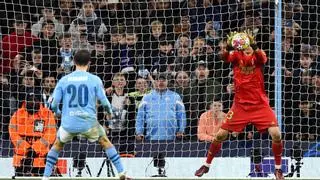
x: 79, y: 92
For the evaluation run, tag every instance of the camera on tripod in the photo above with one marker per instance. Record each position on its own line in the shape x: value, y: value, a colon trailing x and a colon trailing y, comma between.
x: 159, y: 162
x: 79, y: 162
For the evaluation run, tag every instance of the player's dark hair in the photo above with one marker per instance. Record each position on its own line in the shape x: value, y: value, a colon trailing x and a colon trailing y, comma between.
x: 82, y: 58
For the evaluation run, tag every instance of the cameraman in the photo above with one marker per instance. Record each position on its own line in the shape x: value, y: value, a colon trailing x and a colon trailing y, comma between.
x: 32, y: 130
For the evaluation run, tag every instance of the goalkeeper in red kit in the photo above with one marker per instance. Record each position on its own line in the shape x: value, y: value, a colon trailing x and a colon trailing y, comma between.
x: 251, y: 104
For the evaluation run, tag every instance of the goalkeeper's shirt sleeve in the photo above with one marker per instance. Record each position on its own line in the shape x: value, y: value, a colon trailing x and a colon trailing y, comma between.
x: 229, y: 56
x: 261, y: 56
x: 102, y: 97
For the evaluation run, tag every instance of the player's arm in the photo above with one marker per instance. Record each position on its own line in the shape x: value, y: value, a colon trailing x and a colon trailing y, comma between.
x: 56, y: 98
x: 103, y: 98
x: 228, y: 54
x: 261, y: 56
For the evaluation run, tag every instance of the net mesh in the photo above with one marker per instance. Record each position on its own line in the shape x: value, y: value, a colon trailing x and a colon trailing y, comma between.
x: 134, y: 42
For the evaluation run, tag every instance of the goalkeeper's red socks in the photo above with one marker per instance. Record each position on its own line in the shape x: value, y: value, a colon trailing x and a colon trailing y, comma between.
x: 214, y: 149
x: 277, y: 149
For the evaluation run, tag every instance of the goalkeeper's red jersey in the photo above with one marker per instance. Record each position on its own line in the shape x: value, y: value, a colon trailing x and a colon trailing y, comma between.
x: 248, y: 77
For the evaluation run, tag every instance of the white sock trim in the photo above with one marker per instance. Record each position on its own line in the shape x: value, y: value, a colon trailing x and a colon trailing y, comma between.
x: 206, y: 164
x: 277, y: 166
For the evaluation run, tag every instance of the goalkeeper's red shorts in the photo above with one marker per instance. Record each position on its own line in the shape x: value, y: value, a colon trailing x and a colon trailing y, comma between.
x: 239, y: 116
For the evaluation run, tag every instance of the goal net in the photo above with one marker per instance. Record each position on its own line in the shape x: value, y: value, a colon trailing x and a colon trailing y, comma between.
x: 169, y: 89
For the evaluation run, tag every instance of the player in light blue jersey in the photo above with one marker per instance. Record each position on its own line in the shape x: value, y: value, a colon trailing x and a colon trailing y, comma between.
x: 79, y: 93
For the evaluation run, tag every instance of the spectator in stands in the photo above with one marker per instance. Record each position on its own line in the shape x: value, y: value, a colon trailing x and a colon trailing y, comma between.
x: 27, y: 81
x: 49, y: 83
x: 114, y: 39
x: 32, y: 130
x: 210, y: 122
x: 183, y: 27
x: 142, y: 88
x: 162, y: 57
x: 63, y: 62
x: 36, y: 65
x: 157, y: 31
x: 130, y: 51
x: 301, y: 77
x: 183, y: 60
x: 153, y: 36
x: 316, y: 89
x: 4, y: 107
x: 101, y: 64
x: 13, y: 43
x: 291, y: 28
x: 68, y: 12
x: 81, y: 42
x: 182, y: 86
x: 252, y: 21
x: 117, y: 35
x: 212, y: 34
x: 200, y: 47
x: 48, y: 42
x: 14, y: 76
x: 162, y: 111
x: 202, y: 52
x: 135, y: 98
x: 114, y: 13
x: 121, y: 128
x: 302, y: 124
x: 94, y: 26
x: 204, y: 91
x: 183, y: 41
x: 48, y: 14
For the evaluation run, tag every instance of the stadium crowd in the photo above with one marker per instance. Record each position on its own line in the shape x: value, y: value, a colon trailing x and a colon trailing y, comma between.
x: 134, y: 43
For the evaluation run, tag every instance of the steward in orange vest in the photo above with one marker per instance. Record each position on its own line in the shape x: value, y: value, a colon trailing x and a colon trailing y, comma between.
x: 32, y: 131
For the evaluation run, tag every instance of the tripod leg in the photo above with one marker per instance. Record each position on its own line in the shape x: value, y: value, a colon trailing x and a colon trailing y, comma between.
x: 88, y: 169
x: 110, y: 169
x: 104, y: 161
x: 112, y: 172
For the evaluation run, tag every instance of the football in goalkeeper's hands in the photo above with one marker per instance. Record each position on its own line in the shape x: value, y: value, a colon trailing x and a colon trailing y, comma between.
x: 240, y: 41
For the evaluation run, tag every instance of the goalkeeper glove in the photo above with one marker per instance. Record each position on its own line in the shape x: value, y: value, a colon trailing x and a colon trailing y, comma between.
x: 251, y: 37
x: 230, y: 37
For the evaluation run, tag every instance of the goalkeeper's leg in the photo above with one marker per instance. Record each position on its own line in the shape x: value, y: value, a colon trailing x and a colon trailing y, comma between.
x: 214, y: 149
x: 277, y: 149
x: 113, y: 155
